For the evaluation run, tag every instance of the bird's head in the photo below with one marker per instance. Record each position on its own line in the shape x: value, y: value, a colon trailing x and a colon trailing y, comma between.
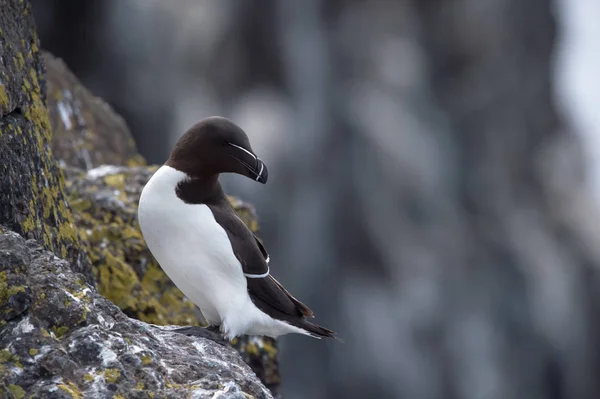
x: 217, y: 145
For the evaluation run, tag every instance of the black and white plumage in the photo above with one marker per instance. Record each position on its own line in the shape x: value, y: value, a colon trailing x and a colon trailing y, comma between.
x: 205, y: 248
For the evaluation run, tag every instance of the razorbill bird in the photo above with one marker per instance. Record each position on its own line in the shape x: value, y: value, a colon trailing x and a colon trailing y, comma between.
x: 205, y: 248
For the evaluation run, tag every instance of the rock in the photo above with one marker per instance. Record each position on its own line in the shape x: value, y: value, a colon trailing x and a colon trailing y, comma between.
x: 32, y: 201
x: 86, y: 130
x: 62, y: 339
x: 104, y: 202
x: 59, y: 337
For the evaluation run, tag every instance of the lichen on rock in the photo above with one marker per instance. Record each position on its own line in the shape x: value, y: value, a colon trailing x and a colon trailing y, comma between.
x: 104, y: 202
x: 57, y: 333
x: 33, y: 201
x: 89, y: 348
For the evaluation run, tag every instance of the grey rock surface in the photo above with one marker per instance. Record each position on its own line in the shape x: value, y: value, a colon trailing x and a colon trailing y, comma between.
x: 86, y: 131
x: 61, y: 339
x: 32, y: 200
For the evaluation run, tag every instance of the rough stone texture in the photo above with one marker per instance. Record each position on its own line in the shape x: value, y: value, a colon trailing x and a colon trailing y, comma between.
x: 32, y: 201
x: 53, y: 322
x: 104, y: 202
x: 61, y: 339
x: 86, y: 130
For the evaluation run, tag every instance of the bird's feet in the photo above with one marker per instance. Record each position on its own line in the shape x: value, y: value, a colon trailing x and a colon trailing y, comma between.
x: 210, y: 332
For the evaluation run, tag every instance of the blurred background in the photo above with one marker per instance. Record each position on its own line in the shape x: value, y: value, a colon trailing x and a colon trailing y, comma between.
x: 434, y: 173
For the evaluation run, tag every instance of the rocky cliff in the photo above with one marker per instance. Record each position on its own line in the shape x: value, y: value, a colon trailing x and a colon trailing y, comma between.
x: 69, y: 246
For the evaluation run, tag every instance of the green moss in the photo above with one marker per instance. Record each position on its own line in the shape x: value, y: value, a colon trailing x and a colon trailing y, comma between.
x: 112, y: 375
x: 118, y: 396
x: 139, y: 386
x: 33, y: 351
x: 17, y: 391
x: 72, y: 390
x: 88, y: 377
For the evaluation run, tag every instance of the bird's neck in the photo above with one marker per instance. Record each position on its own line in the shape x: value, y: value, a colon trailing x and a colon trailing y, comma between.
x: 201, y: 190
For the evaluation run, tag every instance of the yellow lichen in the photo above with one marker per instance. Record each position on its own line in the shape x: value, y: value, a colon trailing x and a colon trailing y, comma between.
x: 6, y: 292
x: 17, y: 391
x: 5, y: 356
x: 33, y: 351
x: 146, y: 359
x: 28, y: 224
x: 3, y: 97
x: 71, y: 389
x: 19, y: 61
x: 136, y: 160
x: 117, y: 181
x: 88, y: 377
x: 270, y: 349
x: 139, y: 386
x: 252, y: 349
x: 112, y: 375
x: 59, y: 332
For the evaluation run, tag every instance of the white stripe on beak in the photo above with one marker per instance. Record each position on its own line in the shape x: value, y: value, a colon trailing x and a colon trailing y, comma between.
x: 262, y: 166
x: 245, y: 150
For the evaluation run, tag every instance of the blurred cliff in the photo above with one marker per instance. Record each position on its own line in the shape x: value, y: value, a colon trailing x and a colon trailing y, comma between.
x: 425, y: 197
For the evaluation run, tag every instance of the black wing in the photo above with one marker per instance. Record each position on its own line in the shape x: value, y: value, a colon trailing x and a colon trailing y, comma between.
x: 262, y: 248
x: 266, y: 292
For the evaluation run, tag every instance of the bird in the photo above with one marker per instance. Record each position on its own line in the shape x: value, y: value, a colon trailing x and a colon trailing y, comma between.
x: 208, y: 252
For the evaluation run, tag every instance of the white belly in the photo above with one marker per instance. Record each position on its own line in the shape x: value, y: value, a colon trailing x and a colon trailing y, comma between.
x: 191, y: 247
x: 195, y: 252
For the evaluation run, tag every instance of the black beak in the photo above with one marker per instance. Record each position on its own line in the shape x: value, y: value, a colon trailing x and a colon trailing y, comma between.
x: 255, y: 168
x: 262, y: 173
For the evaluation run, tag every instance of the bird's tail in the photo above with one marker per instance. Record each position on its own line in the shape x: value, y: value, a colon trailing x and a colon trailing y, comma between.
x: 317, y: 331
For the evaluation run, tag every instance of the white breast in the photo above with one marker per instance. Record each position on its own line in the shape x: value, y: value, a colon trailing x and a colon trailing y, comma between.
x: 191, y: 247
x: 195, y: 252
